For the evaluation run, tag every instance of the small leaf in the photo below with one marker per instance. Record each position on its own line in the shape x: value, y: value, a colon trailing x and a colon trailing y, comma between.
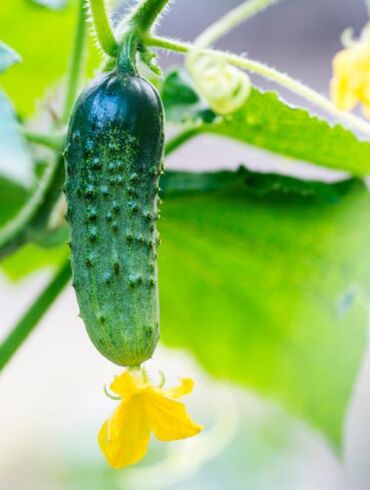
x: 8, y: 57
x: 181, y: 101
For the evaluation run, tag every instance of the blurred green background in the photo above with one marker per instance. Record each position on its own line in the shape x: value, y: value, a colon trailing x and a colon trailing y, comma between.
x: 264, y: 293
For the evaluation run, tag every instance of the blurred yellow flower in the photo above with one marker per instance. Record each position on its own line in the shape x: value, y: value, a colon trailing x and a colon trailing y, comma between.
x: 144, y: 408
x: 351, y: 76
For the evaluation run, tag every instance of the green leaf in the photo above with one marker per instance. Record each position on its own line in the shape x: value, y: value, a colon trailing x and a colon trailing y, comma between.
x: 15, y: 159
x: 44, y: 38
x: 12, y: 198
x: 181, y: 101
x: 266, y: 121
x: 8, y: 57
x: 263, y: 287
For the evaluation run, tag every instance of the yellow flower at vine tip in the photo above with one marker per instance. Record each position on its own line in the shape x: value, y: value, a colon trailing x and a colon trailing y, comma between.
x: 144, y: 408
x: 351, y: 75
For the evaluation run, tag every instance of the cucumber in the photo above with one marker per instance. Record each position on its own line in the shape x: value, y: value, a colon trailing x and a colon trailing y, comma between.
x: 113, y: 160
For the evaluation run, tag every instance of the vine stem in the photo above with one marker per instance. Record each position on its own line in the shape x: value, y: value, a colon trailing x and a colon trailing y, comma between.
x: 181, y: 138
x: 53, y: 141
x: 31, y: 318
x: 282, y: 79
x: 232, y: 19
x: 77, y: 64
x: 142, y: 19
x: 146, y: 14
x: 28, y: 211
x: 367, y: 3
x: 102, y: 26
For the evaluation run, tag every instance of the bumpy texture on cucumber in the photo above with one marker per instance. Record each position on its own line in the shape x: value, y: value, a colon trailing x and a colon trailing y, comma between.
x: 113, y: 162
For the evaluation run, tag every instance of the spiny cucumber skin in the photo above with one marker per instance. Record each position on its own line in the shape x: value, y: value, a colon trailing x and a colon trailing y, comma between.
x: 113, y: 161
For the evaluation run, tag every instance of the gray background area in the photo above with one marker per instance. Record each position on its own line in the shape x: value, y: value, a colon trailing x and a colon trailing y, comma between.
x: 299, y: 37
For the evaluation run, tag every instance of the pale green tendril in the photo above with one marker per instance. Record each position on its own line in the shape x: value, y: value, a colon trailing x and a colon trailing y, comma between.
x: 162, y: 379
x: 110, y: 395
x: 347, y: 38
x: 225, y: 87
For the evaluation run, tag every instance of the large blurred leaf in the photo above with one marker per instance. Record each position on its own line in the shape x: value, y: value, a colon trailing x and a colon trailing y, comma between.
x: 263, y: 290
x: 15, y: 159
x: 32, y: 257
x: 268, y: 122
x: 44, y: 39
x: 16, y: 164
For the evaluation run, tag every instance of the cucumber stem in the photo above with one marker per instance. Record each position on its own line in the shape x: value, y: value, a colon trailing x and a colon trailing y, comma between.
x: 126, y: 60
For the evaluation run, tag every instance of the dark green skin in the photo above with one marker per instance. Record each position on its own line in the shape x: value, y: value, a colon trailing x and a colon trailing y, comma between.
x: 113, y: 162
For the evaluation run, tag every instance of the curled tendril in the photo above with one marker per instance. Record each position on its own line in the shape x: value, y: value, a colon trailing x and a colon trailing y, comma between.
x: 162, y: 379
x: 225, y: 87
x: 110, y: 395
x: 348, y: 38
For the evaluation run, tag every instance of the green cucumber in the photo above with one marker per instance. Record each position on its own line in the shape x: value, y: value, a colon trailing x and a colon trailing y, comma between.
x: 113, y: 161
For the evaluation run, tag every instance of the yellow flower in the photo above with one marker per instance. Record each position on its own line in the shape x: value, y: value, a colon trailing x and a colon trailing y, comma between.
x: 351, y: 76
x: 144, y: 408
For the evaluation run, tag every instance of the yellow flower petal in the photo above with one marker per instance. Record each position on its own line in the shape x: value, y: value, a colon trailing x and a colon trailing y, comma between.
x: 341, y: 95
x: 186, y: 386
x: 124, y: 385
x: 124, y: 438
x: 351, y: 81
x: 169, y: 420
